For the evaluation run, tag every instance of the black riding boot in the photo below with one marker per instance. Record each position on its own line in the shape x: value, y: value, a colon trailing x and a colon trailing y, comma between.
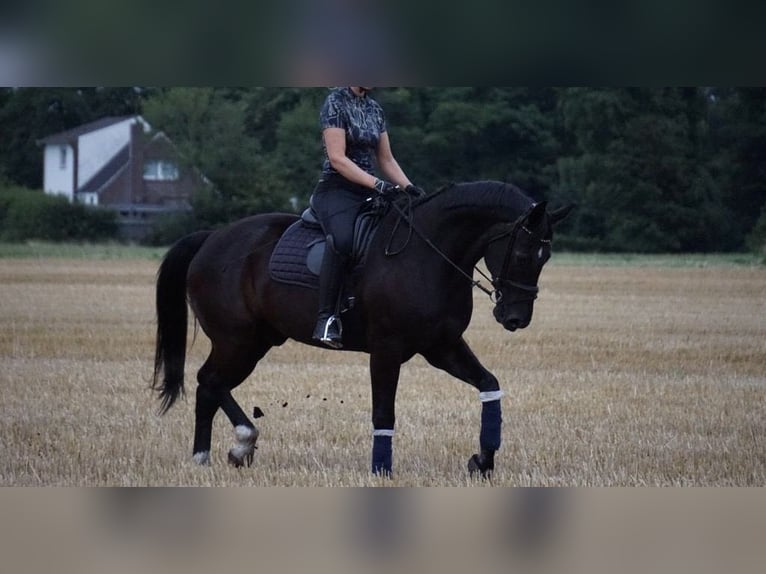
x: 328, y: 329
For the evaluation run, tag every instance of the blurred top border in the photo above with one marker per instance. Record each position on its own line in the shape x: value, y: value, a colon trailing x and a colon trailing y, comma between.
x: 337, y: 42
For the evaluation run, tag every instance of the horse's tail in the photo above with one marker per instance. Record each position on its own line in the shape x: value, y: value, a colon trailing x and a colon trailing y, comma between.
x: 172, y: 319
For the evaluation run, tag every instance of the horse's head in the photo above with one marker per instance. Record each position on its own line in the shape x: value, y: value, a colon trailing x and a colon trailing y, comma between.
x: 515, y: 258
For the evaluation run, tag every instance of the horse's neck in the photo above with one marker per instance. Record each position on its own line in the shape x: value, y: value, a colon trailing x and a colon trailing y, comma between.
x: 464, y: 217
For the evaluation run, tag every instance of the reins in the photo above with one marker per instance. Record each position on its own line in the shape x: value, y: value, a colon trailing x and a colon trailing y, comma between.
x: 494, y: 295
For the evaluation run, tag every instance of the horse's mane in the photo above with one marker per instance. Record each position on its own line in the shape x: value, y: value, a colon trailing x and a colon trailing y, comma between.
x: 478, y: 194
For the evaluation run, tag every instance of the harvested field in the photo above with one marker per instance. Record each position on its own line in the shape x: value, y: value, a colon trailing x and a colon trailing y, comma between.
x: 628, y: 375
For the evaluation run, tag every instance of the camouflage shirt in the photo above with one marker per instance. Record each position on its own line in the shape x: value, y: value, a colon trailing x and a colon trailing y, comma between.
x: 361, y: 118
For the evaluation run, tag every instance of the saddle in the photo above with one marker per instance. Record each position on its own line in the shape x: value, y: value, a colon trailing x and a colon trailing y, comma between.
x: 297, y: 257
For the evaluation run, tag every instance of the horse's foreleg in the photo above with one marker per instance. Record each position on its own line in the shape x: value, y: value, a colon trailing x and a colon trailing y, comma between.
x: 489, y: 436
x: 384, y: 374
x: 459, y: 361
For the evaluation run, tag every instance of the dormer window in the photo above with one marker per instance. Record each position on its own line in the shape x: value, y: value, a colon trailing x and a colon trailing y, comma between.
x: 160, y: 170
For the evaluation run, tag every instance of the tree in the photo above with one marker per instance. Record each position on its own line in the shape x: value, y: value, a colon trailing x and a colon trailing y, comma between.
x: 285, y: 123
x: 652, y: 169
x: 638, y: 170
x: 29, y: 114
x: 738, y: 141
x: 208, y: 127
x: 457, y: 134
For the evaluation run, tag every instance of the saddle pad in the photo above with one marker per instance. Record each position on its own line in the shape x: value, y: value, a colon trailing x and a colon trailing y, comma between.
x: 288, y: 260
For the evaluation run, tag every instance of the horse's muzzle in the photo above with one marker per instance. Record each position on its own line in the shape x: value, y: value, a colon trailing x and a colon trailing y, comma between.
x: 512, y: 321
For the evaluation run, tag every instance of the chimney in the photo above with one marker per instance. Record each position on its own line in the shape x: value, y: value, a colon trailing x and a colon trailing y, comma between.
x: 136, y: 159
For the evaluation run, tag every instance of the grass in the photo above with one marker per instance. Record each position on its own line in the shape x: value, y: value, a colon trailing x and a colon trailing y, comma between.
x: 630, y: 375
x: 119, y: 251
x: 701, y: 260
x: 90, y: 251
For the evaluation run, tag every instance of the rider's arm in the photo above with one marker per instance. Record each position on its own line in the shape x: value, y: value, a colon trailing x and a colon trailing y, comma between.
x: 388, y: 165
x: 335, y: 144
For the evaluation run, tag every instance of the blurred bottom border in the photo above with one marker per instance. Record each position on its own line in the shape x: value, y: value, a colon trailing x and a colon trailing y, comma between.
x: 337, y: 531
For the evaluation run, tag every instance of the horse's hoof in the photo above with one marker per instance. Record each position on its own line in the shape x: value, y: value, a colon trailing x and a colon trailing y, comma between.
x: 240, y: 460
x: 243, y: 452
x: 475, y: 465
x: 234, y: 461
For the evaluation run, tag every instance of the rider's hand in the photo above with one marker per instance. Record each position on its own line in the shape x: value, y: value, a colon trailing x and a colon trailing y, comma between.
x: 415, y: 191
x: 386, y: 188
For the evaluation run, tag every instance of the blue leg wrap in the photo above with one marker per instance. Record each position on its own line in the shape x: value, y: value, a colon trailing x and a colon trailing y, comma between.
x: 491, y: 423
x: 381, y: 455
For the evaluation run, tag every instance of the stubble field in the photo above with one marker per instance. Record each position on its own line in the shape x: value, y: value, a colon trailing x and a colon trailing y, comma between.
x: 629, y: 375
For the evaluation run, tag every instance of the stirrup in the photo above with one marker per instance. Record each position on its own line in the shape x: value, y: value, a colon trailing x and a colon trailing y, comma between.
x: 332, y: 340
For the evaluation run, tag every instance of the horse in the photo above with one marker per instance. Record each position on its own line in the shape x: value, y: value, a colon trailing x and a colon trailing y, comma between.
x: 412, y: 296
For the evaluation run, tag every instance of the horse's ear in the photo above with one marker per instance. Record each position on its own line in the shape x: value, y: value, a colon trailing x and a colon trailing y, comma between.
x: 561, y: 213
x: 535, y: 215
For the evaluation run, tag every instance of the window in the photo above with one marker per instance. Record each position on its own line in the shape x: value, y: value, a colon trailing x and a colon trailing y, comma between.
x: 62, y: 157
x: 160, y: 170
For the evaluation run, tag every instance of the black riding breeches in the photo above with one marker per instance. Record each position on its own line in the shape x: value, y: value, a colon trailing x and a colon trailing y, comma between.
x: 337, y: 206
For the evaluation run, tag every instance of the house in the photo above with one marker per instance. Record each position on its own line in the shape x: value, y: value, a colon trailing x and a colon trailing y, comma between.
x: 122, y: 164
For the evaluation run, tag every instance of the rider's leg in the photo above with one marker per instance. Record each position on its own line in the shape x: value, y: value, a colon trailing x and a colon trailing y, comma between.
x: 328, y: 329
x: 337, y: 209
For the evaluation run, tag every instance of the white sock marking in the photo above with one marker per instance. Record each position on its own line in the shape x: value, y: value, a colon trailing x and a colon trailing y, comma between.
x: 202, y: 458
x: 490, y: 396
x: 245, y: 434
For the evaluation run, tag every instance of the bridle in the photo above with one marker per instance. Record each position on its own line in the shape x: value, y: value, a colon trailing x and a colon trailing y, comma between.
x: 501, y: 281
x: 498, y: 283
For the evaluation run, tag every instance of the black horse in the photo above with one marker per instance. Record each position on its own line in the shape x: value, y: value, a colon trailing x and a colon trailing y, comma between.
x: 417, y: 299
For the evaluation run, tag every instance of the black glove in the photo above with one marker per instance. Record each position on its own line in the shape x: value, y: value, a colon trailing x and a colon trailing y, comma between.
x: 386, y: 188
x: 415, y: 191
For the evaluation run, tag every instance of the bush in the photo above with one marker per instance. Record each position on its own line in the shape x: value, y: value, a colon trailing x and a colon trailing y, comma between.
x: 30, y: 214
x: 167, y: 229
x: 210, y: 210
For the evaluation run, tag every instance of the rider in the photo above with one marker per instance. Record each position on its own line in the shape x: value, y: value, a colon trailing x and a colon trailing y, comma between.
x: 354, y: 134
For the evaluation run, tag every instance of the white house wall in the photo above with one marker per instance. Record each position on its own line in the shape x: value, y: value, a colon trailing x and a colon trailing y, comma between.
x: 58, y: 180
x: 97, y: 148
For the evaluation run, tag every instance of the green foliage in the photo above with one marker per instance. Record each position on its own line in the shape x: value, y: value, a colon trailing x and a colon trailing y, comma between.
x: 651, y: 169
x: 208, y: 129
x: 640, y: 172
x: 756, y: 239
x: 738, y: 141
x: 290, y: 169
x: 213, y: 130
x: 167, y: 229
x: 109, y: 250
x: 29, y: 114
x: 27, y: 214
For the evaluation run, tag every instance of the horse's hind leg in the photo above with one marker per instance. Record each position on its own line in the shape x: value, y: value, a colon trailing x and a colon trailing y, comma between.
x: 204, y: 411
x: 225, y: 369
x: 245, y: 433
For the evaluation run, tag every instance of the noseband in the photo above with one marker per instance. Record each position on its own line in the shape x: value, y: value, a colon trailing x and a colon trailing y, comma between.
x: 497, y: 294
